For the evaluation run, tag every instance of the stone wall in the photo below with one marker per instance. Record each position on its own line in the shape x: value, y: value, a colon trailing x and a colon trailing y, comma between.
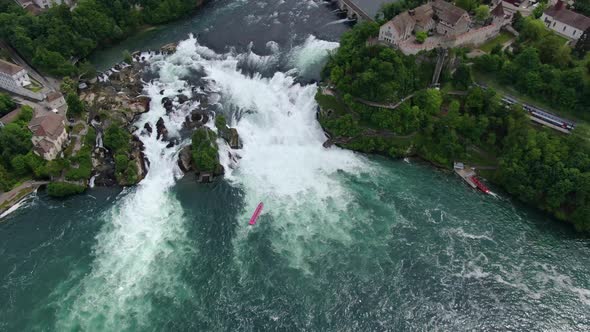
x: 473, y: 37
x: 7, y: 83
x: 476, y: 37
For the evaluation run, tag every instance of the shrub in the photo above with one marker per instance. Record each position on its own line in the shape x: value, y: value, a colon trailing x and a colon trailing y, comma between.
x: 64, y: 189
x: 421, y: 36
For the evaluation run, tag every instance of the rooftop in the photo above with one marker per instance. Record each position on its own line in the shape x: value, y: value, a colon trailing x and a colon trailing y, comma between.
x: 53, y: 95
x: 9, y: 68
x: 44, y: 146
x: 569, y: 17
x: 448, y: 12
x: 50, y: 125
x: 498, y: 10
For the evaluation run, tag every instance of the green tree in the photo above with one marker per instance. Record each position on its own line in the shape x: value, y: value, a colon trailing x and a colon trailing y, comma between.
x: 14, y: 140
x: 204, y: 150
x: 421, y: 36
x: 462, y: 78
x: 583, y: 44
x: 117, y: 139
x: 468, y: 5
x: 75, y: 105
x: 127, y: 57
x: 482, y: 12
x: 6, y: 104
x: 64, y: 189
x: 517, y: 21
x: 26, y: 114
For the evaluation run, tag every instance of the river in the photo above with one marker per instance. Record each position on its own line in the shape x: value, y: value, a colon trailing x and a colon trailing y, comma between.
x: 346, y: 242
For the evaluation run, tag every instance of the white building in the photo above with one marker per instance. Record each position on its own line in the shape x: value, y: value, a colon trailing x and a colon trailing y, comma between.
x: 565, y: 22
x: 43, y: 3
x: 13, y: 75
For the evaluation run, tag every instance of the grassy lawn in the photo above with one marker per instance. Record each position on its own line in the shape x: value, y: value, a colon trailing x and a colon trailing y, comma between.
x: 502, y: 38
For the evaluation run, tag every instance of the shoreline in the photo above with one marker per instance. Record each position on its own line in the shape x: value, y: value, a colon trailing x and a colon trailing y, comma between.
x: 487, y: 177
x: 11, y: 198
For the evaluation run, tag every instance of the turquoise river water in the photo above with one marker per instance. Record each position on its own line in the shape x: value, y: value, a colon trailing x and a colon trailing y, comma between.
x: 346, y: 242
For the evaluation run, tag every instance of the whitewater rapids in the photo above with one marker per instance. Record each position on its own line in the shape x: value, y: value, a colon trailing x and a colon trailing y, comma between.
x: 143, y: 244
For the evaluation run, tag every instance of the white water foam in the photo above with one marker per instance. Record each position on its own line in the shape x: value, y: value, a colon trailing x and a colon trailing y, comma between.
x: 25, y: 202
x: 143, y: 245
x: 311, y: 56
x: 283, y: 162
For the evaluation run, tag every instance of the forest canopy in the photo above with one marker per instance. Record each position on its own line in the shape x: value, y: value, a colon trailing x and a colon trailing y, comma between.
x: 56, y: 38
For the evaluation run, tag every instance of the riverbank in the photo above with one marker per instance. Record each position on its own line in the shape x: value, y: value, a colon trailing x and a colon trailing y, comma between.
x: 347, y: 126
x: 12, y: 197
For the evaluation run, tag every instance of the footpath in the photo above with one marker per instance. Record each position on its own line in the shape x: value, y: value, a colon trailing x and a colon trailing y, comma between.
x: 9, y: 198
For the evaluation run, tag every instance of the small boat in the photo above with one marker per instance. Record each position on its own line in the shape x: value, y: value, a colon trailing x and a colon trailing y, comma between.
x: 256, y: 214
x: 480, y: 185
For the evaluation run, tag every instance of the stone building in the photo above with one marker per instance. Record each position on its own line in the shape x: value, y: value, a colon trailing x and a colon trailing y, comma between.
x: 11, y: 74
x: 452, y: 20
x: 565, y: 22
x: 440, y: 16
x: 49, y: 135
x: 33, y: 5
x: 55, y: 100
x: 447, y: 25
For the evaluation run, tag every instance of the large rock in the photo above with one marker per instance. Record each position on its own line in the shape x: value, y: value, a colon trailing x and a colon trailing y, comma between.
x: 168, y: 48
x: 103, y: 167
x: 230, y: 135
x: 168, y: 105
x: 148, y: 128
x: 185, y: 159
x: 196, y: 119
x: 161, y: 130
x: 182, y: 99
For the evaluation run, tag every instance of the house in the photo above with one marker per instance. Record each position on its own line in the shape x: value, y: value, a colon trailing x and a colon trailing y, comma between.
x: 55, y: 100
x: 452, y: 20
x: 13, y: 75
x: 49, y: 135
x: 447, y: 25
x: 29, y: 6
x: 44, y: 4
x: 565, y: 22
x: 24, y: 3
x: 441, y: 16
x: 49, y: 3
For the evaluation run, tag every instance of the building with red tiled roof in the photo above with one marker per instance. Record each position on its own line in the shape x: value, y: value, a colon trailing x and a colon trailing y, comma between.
x: 565, y: 22
x: 49, y: 134
x: 448, y: 25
